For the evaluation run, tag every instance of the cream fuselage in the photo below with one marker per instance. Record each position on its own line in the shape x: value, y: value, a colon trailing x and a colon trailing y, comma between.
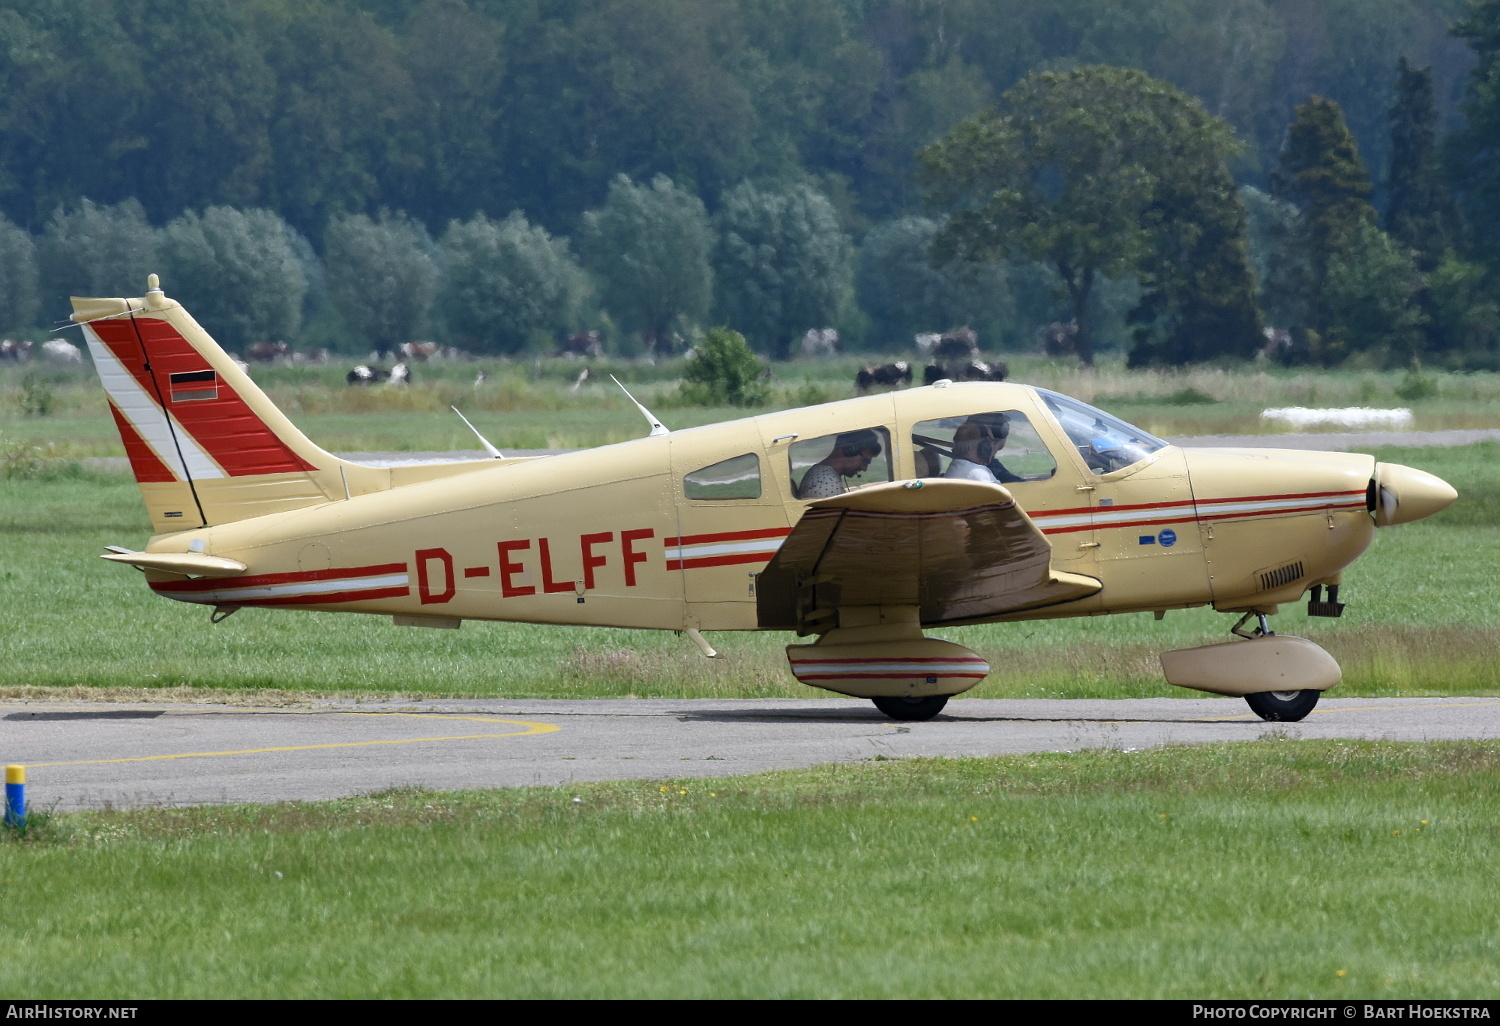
x: 608, y: 537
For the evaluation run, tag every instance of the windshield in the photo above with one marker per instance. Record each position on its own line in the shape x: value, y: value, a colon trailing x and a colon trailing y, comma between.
x: 1106, y: 443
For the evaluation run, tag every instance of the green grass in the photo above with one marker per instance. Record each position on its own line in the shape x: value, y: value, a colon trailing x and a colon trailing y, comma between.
x: 1422, y: 619
x: 531, y: 404
x: 1257, y: 870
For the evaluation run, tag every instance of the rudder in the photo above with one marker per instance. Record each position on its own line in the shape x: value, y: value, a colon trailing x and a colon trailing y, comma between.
x: 206, y: 445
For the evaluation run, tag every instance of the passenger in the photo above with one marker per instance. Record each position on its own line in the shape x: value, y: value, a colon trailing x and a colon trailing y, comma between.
x: 852, y: 454
x: 997, y: 426
x: 929, y: 462
x: 973, y: 448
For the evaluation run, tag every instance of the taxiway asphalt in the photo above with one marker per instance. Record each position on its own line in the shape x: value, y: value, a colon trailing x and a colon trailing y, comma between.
x: 94, y: 755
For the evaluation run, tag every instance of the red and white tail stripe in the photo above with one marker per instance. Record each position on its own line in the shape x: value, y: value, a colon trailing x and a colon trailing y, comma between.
x: 304, y: 588
x: 813, y: 669
x: 697, y: 550
x: 179, y: 419
x: 1091, y: 518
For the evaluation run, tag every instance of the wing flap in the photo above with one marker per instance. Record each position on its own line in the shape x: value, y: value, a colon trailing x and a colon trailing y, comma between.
x: 959, y: 550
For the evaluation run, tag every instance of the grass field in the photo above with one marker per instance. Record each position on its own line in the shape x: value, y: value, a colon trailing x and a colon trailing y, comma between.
x: 533, y: 405
x: 1423, y: 619
x: 1262, y: 869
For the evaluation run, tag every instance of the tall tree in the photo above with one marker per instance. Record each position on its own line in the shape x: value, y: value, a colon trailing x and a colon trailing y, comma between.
x: 905, y: 295
x: 95, y: 250
x: 507, y: 283
x: 782, y: 264
x: 18, y: 280
x: 1417, y: 207
x: 1320, y: 172
x: 382, y: 278
x: 238, y: 271
x: 1090, y: 172
x: 1367, y: 302
x: 650, y: 248
x: 1474, y: 151
x: 1198, y: 289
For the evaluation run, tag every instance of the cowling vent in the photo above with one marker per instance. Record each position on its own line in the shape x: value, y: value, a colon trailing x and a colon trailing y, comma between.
x: 1270, y: 580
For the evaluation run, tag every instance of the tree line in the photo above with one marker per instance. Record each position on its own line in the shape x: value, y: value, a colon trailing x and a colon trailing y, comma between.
x: 492, y: 172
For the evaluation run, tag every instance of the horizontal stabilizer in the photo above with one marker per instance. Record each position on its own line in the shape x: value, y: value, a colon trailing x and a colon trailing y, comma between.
x: 190, y: 564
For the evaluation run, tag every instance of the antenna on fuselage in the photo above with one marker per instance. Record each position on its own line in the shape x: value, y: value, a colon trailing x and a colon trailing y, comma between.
x: 482, y: 440
x: 657, y: 427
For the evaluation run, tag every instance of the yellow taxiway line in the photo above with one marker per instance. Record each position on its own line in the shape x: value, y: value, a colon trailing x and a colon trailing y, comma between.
x: 530, y: 728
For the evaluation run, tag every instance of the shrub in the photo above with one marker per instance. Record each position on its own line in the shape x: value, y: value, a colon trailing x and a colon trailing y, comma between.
x: 724, y: 372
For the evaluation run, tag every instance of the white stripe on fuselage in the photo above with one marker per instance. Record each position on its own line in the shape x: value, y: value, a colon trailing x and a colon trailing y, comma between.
x: 292, y: 588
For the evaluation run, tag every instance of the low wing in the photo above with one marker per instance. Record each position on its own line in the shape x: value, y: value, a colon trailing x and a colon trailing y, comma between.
x: 961, y: 551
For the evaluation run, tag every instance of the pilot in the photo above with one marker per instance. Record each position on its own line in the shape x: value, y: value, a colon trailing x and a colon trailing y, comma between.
x: 852, y: 453
x: 973, y: 448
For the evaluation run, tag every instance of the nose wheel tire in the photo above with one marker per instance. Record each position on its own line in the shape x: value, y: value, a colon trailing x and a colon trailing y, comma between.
x: 1283, y: 706
x: 898, y: 708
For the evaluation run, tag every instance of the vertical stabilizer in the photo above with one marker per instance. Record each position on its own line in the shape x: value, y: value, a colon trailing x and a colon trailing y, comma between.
x: 205, y: 443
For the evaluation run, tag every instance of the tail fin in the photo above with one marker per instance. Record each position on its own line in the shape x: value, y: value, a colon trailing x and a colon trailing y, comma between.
x: 205, y: 443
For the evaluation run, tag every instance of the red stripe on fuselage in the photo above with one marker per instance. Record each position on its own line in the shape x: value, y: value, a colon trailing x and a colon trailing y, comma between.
x: 225, y: 427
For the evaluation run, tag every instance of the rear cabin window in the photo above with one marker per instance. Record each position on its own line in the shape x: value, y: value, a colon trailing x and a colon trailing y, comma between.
x: 736, y: 478
x: 833, y: 464
x: 1001, y: 445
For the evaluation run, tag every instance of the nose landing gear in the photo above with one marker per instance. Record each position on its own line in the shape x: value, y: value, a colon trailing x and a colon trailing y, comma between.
x: 1280, y: 706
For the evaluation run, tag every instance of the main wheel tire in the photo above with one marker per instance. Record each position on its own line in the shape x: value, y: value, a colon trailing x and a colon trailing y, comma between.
x: 898, y: 708
x: 1283, y: 706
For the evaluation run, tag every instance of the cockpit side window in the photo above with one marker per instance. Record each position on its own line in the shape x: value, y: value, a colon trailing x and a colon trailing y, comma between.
x: 832, y: 464
x: 736, y: 478
x: 1002, y: 446
x: 1106, y: 443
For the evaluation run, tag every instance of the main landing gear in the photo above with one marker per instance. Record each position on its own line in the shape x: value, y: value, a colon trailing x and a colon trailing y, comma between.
x: 909, y: 709
x: 1276, y: 706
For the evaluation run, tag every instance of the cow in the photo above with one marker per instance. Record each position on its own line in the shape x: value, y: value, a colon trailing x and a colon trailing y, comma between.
x: 1278, y: 343
x: 979, y: 370
x: 820, y: 342
x: 966, y: 370
x: 15, y: 350
x: 589, y: 344
x: 958, y: 344
x: 265, y: 352
x: 1058, y: 338
x: 364, y: 374
x: 883, y: 375
x: 59, y: 351
x: 421, y: 352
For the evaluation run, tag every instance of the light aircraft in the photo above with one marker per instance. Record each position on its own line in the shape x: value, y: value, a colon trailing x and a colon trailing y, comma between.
x: 970, y: 503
